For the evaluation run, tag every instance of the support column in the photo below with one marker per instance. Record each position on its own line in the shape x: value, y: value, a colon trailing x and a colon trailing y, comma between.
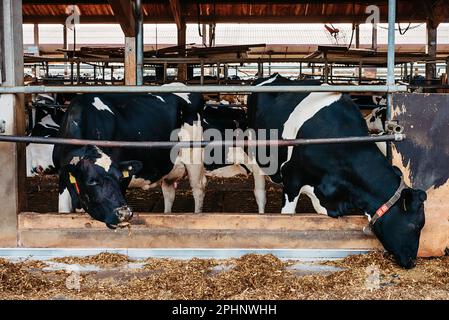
x: 139, y: 43
x: 431, y: 50
x: 374, y: 38
x: 182, y: 68
x: 357, y: 36
x: 12, y: 111
x: 36, y: 35
x: 130, y: 61
x: 65, y: 47
x: 447, y: 70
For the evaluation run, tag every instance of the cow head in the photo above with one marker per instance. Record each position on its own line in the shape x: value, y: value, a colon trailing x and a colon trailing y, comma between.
x: 94, y: 183
x: 399, y: 229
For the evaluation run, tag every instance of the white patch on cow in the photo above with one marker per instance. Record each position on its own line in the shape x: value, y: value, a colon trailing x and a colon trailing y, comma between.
x: 259, y: 187
x: 382, y: 147
x: 192, y: 132
x: 99, y: 105
x: 42, y: 96
x: 75, y: 160
x: 65, y: 202
x: 140, y: 183
x: 33, y: 117
x: 38, y: 155
x: 185, y: 96
x: 310, y: 192
x: 290, y: 207
x: 48, y: 122
x: 160, y: 98
x: 227, y: 172
x: 304, y: 111
x: 267, y: 81
x: 104, y: 161
x: 375, y: 126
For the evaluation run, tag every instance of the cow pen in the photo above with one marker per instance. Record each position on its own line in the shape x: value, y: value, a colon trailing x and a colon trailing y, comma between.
x: 31, y: 226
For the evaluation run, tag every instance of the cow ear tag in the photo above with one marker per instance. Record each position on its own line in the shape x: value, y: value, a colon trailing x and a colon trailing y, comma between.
x: 367, y: 231
x: 72, y: 178
x: 125, y: 174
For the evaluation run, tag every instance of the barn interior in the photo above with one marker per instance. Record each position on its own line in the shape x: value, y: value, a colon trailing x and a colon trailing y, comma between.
x: 346, y: 59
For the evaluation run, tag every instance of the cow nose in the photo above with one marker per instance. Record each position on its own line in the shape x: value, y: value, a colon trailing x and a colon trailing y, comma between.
x: 124, y: 213
x: 410, y: 264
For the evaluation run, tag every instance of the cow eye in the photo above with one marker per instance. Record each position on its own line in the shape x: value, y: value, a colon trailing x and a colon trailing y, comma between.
x: 92, y: 182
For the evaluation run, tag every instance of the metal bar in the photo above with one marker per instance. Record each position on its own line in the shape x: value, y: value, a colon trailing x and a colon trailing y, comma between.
x: 177, y: 253
x: 198, y: 144
x: 200, y: 89
x: 391, y: 52
x: 390, y: 62
x: 139, y: 43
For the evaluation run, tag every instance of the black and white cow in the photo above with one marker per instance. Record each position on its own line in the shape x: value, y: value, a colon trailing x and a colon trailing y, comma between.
x: 95, y: 179
x: 338, y: 177
x: 45, y: 118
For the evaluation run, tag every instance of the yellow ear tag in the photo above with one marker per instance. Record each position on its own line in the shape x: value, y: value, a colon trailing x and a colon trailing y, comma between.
x: 72, y: 179
x: 125, y: 174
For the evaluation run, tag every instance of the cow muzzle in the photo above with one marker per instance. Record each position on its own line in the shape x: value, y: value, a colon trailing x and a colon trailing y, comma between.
x: 124, y: 215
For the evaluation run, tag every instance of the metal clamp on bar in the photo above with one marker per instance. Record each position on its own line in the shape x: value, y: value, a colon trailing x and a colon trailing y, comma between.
x: 399, y: 137
x: 393, y: 127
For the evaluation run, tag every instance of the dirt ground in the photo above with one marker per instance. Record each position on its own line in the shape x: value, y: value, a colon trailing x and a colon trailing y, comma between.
x: 113, y: 276
x: 221, y: 195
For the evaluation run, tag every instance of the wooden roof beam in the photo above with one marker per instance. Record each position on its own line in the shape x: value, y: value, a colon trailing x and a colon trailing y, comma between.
x: 175, y: 6
x: 125, y: 16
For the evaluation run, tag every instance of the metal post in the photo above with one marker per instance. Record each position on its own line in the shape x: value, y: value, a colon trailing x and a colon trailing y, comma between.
x: 218, y: 72
x: 391, y: 53
x: 391, y: 61
x: 78, y: 73
x: 360, y: 71
x: 139, y: 43
x: 12, y: 112
x: 202, y: 72
x: 112, y: 75
x: 71, y: 73
x: 447, y: 70
x: 374, y: 37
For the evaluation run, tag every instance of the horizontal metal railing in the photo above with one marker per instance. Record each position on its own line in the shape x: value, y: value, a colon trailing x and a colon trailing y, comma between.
x: 200, y: 89
x: 199, y: 144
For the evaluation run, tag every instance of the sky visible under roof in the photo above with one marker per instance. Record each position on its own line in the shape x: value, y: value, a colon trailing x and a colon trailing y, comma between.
x: 233, y: 34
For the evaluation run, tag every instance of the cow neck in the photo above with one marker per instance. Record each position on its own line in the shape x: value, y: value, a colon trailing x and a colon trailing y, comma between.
x: 374, y: 198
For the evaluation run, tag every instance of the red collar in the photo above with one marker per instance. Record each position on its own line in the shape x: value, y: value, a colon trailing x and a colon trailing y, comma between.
x: 387, y: 205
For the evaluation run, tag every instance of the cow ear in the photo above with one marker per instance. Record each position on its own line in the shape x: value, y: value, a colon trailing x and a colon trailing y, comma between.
x: 68, y: 179
x: 422, y: 196
x: 130, y: 168
x: 397, y: 171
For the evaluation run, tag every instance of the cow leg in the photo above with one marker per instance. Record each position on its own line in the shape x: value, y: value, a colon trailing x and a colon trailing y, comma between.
x: 259, y: 187
x: 290, y: 194
x: 168, y: 191
x: 289, y: 202
x: 65, y: 202
x: 198, y: 182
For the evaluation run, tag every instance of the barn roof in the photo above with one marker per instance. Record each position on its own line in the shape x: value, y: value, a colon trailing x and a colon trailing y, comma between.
x: 300, y: 11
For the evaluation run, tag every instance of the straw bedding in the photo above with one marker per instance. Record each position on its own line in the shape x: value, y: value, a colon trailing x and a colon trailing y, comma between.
x: 369, y: 276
